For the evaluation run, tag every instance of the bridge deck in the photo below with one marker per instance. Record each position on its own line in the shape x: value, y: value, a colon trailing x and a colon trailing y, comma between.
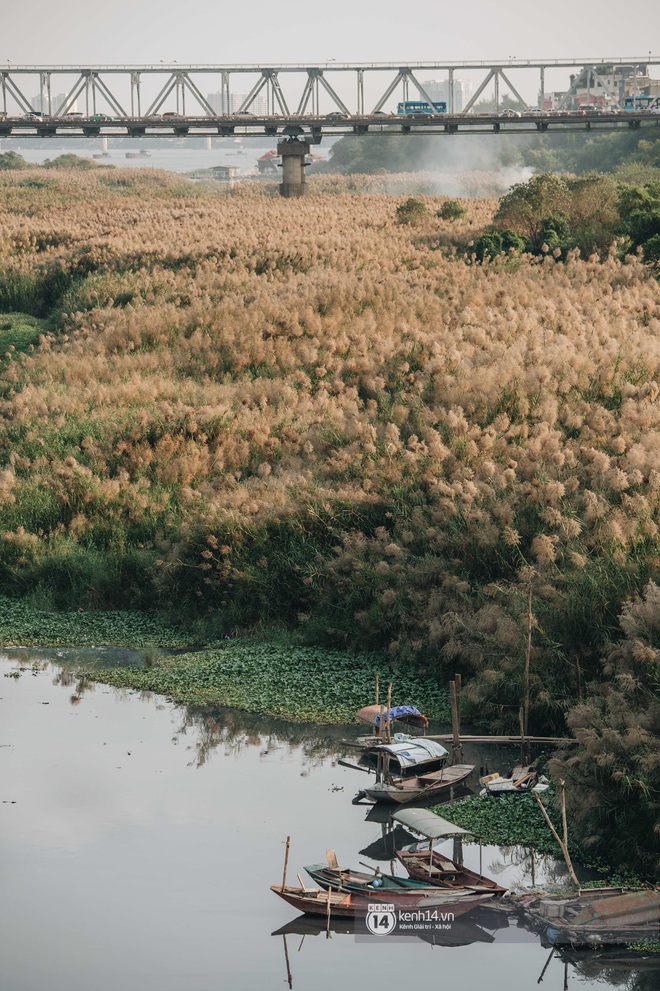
x: 315, y: 127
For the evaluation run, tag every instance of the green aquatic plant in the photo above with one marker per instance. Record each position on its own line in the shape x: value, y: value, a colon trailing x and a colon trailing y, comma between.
x: 302, y: 684
x: 22, y: 625
x: 507, y: 820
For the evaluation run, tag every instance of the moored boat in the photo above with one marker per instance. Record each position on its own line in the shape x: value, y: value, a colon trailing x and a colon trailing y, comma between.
x: 348, y: 904
x: 434, y: 867
x: 347, y: 879
x: 410, y: 771
x: 593, y: 917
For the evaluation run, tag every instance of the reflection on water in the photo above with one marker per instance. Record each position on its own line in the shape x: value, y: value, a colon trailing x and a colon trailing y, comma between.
x: 138, y: 840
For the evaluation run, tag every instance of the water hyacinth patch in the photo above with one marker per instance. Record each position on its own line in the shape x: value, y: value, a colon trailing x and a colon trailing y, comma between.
x: 507, y: 820
x: 21, y: 625
x: 302, y: 684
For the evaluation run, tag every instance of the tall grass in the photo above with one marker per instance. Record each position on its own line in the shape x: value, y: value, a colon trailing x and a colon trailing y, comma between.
x: 247, y: 410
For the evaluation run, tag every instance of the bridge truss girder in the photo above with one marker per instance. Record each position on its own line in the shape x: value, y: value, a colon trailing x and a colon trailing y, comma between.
x: 278, y: 83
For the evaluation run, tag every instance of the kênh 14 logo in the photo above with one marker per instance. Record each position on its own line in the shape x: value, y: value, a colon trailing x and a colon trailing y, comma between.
x: 382, y: 919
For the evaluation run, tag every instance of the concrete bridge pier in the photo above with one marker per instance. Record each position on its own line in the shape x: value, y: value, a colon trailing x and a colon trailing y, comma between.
x: 293, y: 154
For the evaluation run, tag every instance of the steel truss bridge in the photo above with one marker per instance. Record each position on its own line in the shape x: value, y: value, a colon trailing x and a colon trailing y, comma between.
x: 128, y: 100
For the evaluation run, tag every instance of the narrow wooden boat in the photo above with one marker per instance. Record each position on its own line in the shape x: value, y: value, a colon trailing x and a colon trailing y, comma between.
x: 349, y: 904
x: 409, y: 771
x: 347, y: 879
x: 441, y: 872
x: 420, y: 787
x: 434, y: 867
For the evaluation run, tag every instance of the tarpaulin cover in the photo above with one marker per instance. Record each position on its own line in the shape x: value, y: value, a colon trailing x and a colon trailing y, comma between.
x: 407, y: 713
x: 413, y: 752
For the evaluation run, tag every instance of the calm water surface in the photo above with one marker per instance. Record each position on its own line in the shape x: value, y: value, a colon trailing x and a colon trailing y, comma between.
x: 138, y: 842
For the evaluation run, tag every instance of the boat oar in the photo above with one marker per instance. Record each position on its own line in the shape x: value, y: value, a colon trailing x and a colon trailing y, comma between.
x: 353, y: 767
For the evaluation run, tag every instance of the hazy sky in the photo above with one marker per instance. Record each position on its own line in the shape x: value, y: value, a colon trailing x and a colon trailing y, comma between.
x: 119, y: 31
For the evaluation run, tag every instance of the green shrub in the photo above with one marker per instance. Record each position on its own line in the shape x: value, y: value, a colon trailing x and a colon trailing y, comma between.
x: 411, y: 212
x: 451, y: 210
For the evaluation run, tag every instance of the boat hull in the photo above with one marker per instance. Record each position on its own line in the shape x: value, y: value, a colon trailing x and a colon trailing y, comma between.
x: 416, y: 789
x: 375, y: 886
x: 440, y: 872
x: 340, y: 904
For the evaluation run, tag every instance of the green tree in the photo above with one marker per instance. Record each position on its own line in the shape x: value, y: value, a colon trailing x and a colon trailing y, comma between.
x: 12, y: 160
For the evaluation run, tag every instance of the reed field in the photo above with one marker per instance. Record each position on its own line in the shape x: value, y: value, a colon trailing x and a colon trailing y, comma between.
x: 326, y: 416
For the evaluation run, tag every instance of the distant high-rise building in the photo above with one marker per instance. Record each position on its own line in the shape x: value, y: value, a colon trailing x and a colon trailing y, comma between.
x: 218, y: 100
x: 438, y: 90
x: 55, y: 104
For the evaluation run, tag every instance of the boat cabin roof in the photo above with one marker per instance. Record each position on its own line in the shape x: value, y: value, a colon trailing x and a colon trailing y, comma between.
x: 429, y: 824
x: 412, y: 752
x: 403, y: 713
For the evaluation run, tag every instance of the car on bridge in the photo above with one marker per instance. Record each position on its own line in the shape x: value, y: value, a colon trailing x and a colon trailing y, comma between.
x: 101, y: 117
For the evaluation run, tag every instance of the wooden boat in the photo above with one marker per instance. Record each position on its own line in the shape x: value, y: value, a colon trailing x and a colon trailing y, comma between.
x: 138, y: 154
x: 442, y: 872
x: 348, y: 904
x: 410, y: 771
x: 519, y: 780
x: 434, y: 867
x: 375, y: 885
x: 593, y: 917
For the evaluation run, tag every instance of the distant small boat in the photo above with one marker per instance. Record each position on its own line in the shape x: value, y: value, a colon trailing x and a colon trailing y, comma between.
x: 138, y: 154
x: 517, y: 781
x: 102, y: 154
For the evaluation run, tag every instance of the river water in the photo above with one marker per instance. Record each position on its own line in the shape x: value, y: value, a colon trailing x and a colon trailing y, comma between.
x: 138, y: 842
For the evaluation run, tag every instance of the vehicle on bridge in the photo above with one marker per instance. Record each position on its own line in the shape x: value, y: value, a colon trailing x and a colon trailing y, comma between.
x: 641, y: 103
x: 421, y: 107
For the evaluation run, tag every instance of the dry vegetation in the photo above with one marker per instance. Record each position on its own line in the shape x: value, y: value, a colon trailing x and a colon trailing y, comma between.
x: 246, y: 410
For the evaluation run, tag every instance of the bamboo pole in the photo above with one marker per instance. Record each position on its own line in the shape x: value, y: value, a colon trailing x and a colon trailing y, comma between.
x: 389, y: 712
x: 327, y: 930
x: 578, y: 680
x: 377, y: 689
x: 528, y: 655
x: 286, y: 861
x: 457, y: 679
x: 563, y: 844
x: 457, y: 747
